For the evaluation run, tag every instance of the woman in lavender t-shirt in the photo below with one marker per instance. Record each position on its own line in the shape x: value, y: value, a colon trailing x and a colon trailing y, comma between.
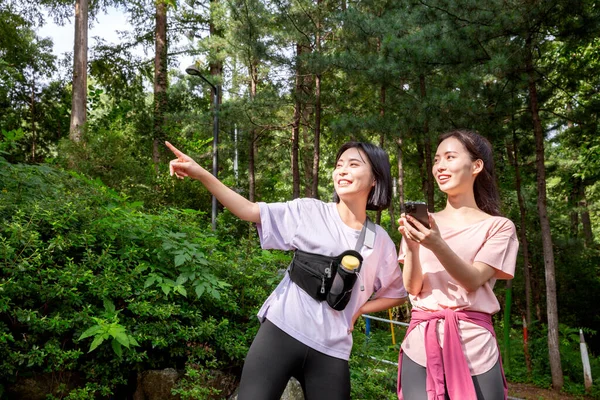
x: 300, y: 336
x: 450, y: 349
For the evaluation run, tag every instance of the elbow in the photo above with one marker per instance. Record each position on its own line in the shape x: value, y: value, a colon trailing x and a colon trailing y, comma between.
x: 399, y: 302
x: 413, y: 291
x: 472, y: 287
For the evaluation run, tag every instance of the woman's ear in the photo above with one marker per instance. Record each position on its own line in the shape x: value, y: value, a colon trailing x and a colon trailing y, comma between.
x: 477, y: 166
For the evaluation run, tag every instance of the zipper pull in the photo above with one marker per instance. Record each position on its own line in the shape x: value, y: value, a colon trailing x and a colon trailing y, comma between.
x: 328, y: 272
x: 322, y: 285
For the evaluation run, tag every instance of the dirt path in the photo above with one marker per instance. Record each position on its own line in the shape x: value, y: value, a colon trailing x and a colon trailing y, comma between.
x: 529, y: 392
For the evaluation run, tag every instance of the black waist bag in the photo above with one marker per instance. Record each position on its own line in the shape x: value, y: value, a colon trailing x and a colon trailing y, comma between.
x: 313, y: 273
x: 324, y: 278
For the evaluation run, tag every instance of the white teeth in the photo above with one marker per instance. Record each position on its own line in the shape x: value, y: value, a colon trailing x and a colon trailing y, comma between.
x: 344, y: 183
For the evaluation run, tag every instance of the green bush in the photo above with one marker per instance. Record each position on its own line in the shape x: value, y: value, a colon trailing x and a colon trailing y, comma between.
x: 93, y: 285
x: 371, y: 376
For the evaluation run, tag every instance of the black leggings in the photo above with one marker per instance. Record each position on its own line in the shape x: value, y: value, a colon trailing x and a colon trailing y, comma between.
x: 274, y: 357
x: 488, y: 386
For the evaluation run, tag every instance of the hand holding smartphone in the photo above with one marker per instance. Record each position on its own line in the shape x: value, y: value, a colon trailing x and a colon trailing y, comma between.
x: 417, y: 210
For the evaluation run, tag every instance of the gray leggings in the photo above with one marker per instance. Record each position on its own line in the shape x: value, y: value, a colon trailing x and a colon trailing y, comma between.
x: 274, y: 357
x: 488, y: 386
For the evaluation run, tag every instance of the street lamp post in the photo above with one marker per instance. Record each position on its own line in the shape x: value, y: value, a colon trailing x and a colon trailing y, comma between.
x: 192, y: 70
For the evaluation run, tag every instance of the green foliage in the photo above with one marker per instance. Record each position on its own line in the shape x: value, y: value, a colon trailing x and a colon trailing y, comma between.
x: 370, y: 377
x: 10, y: 139
x: 388, y: 70
x: 516, y: 367
x: 193, y: 385
x: 99, y: 288
x: 105, y: 329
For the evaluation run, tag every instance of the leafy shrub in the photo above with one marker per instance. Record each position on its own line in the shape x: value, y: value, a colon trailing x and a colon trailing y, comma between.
x: 91, y: 284
x: 370, y: 375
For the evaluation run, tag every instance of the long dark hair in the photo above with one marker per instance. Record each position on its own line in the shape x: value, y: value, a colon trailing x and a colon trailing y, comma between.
x: 380, y: 196
x: 479, y: 148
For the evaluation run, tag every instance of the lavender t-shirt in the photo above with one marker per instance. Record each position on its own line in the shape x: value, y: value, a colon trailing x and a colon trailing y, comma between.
x: 316, y: 227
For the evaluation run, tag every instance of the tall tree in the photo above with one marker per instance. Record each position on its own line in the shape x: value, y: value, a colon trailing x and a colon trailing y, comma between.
x: 80, y: 64
x: 512, y: 153
x: 160, y: 79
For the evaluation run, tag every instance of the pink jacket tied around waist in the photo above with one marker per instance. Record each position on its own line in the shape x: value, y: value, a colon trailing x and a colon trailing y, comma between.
x: 449, y: 361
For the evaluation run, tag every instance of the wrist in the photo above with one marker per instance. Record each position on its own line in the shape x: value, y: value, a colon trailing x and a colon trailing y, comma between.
x: 199, y: 173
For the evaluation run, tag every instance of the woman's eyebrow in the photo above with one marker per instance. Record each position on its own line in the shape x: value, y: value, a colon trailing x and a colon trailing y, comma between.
x: 351, y: 159
x: 448, y: 152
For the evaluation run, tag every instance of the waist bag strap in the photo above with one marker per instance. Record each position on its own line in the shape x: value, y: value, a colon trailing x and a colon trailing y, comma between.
x: 315, y: 273
x: 367, y: 235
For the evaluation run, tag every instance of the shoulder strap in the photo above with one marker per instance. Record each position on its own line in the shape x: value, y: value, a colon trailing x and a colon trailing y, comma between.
x: 367, y: 235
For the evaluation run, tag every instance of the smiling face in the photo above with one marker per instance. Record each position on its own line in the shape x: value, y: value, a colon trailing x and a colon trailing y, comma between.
x: 453, y: 168
x: 353, y: 175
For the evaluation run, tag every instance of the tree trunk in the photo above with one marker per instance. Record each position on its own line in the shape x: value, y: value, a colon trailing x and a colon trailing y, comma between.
x: 317, y: 138
x: 305, y: 156
x: 400, y: 182
x: 400, y: 155
x: 79, y: 102
x: 382, y: 93
x: 33, y: 130
x: 551, y: 301
x: 582, y: 212
x: 216, y: 67
x: 588, y: 235
x: 428, y: 175
x: 160, y: 81
x: 252, y: 142
x: 512, y: 152
x: 296, y: 128
x: 573, y: 203
x: 306, y: 110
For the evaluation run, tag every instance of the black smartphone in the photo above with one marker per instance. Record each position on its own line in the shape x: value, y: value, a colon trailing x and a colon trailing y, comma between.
x: 417, y: 210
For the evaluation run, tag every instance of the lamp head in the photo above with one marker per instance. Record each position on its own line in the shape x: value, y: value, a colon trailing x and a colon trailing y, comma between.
x: 192, y: 70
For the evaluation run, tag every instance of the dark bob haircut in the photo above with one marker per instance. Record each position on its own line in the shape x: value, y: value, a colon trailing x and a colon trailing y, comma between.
x: 381, y: 194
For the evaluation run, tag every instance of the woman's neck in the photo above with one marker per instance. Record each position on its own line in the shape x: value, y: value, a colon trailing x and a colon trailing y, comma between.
x: 353, y: 215
x: 462, y: 206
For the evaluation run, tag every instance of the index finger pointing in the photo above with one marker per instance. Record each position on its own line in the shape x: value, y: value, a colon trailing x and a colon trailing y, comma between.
x: 174, y: 150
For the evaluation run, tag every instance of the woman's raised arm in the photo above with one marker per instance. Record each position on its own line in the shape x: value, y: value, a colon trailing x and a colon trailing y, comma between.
x: 184, y: 166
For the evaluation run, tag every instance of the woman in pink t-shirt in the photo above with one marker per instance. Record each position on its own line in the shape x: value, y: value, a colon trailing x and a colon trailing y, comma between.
x: 450, y: 349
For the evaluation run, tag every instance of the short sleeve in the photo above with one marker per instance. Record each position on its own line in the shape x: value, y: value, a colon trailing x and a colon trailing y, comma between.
x: 278, y: 224
x: 500, y: 248
x: 388, y: 282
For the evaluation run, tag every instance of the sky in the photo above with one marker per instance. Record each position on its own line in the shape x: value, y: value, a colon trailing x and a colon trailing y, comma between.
x: 105, y: 25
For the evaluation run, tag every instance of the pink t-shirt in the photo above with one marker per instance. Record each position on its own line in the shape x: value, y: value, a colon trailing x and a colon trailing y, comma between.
x: 492, y: 241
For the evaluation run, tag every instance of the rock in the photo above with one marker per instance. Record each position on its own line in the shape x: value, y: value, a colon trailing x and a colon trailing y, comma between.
x: 156, y: 384
x: 293, y: 391
x: 40, y: 386
x: 30, y: 389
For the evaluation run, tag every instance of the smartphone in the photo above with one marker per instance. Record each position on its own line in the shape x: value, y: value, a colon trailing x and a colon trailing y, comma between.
x: 417, y: 210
